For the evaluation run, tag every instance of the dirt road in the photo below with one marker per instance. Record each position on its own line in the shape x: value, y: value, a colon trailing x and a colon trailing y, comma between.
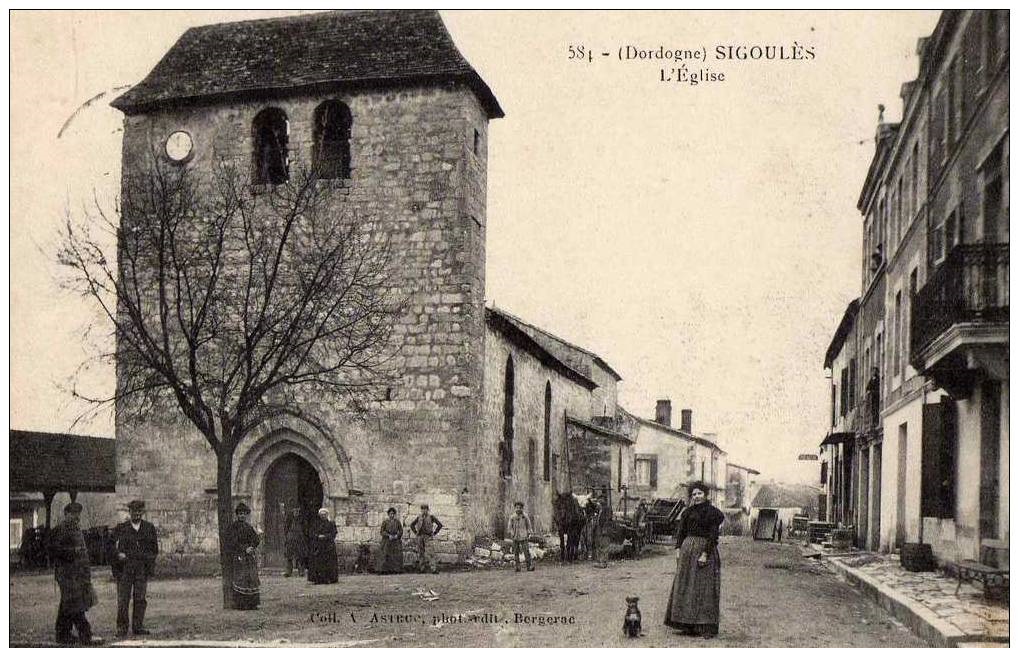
x: 770, y: 597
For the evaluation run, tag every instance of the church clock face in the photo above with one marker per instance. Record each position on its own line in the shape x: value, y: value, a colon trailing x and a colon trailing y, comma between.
x: 179, y: 146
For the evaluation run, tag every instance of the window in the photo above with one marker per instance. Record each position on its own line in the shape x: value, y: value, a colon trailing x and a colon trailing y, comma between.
x: 646, y: 470
x: 900, y: 216
x: 477, y: 142
x: 506, y: 445
x: 896, y: 337
x: 17, y: 529
x: 915, y: 183
x: 331, y: 144
x: 548, y: 429
x: 270, y: 133
x: 956, y: 99
x: 844, y: 391
x: 990, y: 172
x: 833, y: 391
x: 852, y: 383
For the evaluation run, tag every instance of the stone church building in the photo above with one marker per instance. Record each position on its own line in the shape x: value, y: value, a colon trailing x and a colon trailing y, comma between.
x: 486, y: 403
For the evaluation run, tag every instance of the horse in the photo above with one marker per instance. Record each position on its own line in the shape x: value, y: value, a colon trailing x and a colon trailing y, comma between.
x: 569, y: 520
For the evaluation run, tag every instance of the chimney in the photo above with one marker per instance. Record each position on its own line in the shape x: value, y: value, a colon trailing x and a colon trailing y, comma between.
x: 663, y: 412
x: 687, y: 420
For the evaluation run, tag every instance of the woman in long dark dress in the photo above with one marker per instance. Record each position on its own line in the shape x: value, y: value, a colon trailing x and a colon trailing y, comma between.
x: 322, y: 562
x: 241, y: 541
x: 696, y: 588
x: 392, y: 544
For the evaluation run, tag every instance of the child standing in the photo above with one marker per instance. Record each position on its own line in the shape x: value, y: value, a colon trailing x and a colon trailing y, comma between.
x: 520, y: 529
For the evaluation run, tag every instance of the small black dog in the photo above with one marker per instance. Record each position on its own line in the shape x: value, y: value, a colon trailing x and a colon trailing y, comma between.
x: 631, y: 620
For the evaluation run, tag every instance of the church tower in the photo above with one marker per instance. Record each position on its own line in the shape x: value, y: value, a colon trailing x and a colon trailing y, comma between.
x: 386, y: 109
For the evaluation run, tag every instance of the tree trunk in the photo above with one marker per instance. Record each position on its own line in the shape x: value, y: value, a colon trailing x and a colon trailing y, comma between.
x: 225, y: 514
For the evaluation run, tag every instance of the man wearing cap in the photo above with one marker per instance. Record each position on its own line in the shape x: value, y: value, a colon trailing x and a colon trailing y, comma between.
x: 136, y: 548
x: 426, y: 526
x: 74, y: 577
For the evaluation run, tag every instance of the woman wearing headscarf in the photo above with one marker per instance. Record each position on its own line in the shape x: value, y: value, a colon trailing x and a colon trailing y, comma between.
x: 696, y: 588
x: 322, y: 562
x: 241, y: 541
x: 392, y: 544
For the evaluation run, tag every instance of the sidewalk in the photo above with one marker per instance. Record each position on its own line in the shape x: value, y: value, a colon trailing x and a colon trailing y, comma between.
x: 925, y: 601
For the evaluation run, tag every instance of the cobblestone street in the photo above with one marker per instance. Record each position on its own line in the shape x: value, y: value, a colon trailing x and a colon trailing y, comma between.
x: 770, y: 597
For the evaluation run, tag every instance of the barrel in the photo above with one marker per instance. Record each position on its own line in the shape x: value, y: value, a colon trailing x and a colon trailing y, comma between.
x: 916, y: 557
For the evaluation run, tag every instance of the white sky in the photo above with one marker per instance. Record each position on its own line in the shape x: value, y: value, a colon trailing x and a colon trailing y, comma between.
x: 704, y: 240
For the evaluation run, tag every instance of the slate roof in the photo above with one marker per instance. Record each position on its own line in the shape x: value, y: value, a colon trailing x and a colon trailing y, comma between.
x: 573, y: 355
x: 321, y: 50
x: 41, y: 461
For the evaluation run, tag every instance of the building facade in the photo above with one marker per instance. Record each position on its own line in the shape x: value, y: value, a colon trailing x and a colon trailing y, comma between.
x: 932, y: 325
x: 411, y: 159
x: 668, y: 459
x: 740, y: 487
x: 838, y: 449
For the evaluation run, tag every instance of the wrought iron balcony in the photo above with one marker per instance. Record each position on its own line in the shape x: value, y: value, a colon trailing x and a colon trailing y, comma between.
x: 970, y: 287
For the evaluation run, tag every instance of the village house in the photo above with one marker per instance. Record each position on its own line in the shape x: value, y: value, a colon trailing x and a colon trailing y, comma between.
x: 740, y: 487
x: 838, y: 474
x: 668, y: 459
x: 931, y: 330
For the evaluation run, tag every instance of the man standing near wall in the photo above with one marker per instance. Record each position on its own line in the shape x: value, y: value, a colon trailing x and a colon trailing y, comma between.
x: 426, y: 526
x: 520, y: 530
x: 136, y: 546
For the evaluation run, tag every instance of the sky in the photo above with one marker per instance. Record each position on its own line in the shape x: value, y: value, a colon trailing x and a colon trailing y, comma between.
x: 704, y: 240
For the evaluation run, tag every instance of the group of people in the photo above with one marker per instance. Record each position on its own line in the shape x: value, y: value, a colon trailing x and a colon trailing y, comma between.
x: 135, y: 548
x: 311, y: 547
x: 694, y: 597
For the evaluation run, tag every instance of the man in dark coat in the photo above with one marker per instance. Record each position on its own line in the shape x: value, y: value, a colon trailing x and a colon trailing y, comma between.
x: 295, y: 542
x: 135, y: 548
x: 71, y: 569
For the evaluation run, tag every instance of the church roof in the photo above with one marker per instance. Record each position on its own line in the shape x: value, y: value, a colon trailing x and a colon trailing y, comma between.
x: 573, y: 355
x: 320, y: 50
x: 41, y: 461
x: 510, y: 327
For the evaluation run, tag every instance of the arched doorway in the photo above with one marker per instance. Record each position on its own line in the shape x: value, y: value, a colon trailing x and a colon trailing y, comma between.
x: 290, y: 482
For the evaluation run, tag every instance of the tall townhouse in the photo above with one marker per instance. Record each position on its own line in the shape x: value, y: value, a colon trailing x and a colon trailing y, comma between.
x: 932, y: 324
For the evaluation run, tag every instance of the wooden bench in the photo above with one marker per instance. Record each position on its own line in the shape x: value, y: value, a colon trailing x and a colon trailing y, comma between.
x: 991, y: 570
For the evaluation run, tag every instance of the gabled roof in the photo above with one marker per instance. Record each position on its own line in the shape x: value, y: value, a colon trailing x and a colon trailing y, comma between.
x: 321, y: 50
x: 573, y: 355
x: 674, y: 432
x: 40, y: 461
x: 508, y: 326
x: 589, y: 426
x: 743, y: 468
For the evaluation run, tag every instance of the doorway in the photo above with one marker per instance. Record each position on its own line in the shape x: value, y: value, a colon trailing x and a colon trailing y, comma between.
x: 900, y: 491
x: 290, y: 482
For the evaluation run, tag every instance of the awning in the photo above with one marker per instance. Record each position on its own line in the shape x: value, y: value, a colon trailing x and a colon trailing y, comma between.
x: 836, y: 438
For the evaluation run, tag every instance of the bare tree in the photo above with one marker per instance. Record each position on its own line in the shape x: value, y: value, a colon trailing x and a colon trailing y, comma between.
x: 236, y: 303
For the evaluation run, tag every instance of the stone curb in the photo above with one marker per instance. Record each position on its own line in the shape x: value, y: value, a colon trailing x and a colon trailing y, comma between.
x: 917, y: 617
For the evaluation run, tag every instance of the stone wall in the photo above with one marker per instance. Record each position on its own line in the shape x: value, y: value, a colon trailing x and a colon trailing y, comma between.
x: 492, y: 494
x: 417, y: 176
